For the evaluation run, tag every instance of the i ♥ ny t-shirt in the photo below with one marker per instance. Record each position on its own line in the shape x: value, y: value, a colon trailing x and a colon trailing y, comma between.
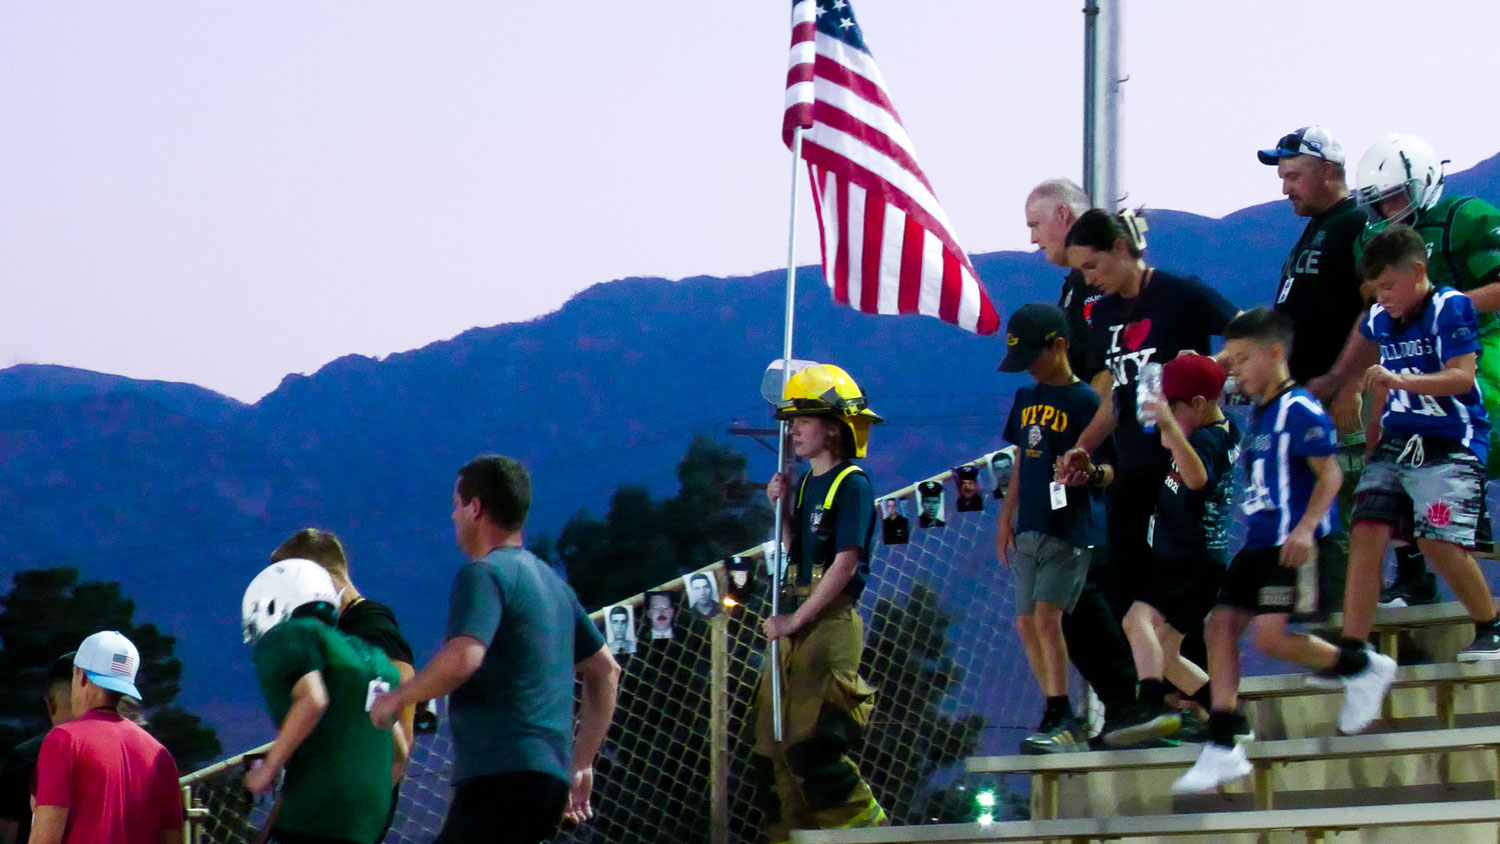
x: 1171, y: 314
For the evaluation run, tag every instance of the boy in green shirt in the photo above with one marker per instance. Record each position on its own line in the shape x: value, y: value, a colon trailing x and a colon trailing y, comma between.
x: 317, y: 684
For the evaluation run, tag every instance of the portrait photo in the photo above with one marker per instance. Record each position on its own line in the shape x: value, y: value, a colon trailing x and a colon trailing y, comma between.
x: 1001, y: 464
x: 930, y: 500
x: 741, y: 578
x: 970, y: 500
x: 619, y: 629
x: 702, y: 593
x: 895, y: 527
x: 661, y: 609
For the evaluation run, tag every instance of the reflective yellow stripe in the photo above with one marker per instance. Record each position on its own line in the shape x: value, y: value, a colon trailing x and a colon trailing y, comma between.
x: 832, y: 490
x: 871, y: 816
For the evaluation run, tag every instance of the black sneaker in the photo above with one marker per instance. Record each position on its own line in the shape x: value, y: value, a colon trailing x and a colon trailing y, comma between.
x: 1144, y: 722
x: 1066, y: 735
x: 1486, y: 647
x: 1410, y: 592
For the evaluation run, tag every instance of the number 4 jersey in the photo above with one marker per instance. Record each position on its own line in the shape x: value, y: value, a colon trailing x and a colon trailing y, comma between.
x: 1284, y: 432
x: 1445, y: 327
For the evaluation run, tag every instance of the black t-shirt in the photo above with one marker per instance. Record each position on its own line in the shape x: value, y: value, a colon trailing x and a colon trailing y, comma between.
x: 16, y: 771
x: 1077, y: 300
x: 1045, y: 422
x: 821, y: 535
x: 1172, y: 313
x: 1319, y: 289
x: 1193, y: 525
x: 375, y: 623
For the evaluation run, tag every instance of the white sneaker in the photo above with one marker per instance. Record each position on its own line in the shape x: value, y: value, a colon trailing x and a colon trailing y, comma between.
x: 1363, y: 693
x: 1215, y: 766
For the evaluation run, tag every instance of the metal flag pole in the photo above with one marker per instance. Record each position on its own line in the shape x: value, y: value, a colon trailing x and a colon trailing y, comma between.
x: 778, y: 556
x: 1101, y: 102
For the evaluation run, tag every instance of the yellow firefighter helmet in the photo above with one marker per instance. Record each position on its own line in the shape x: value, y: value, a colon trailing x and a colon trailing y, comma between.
x: 826, y: 390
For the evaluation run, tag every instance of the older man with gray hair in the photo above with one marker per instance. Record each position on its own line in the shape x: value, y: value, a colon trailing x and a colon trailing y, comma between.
x: 1096, y: 644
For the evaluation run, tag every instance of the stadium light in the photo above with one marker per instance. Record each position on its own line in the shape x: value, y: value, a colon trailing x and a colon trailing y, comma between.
x: 985, y: 799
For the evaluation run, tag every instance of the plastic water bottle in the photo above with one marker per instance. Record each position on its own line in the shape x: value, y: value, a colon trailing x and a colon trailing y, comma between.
x: 1147, y: 389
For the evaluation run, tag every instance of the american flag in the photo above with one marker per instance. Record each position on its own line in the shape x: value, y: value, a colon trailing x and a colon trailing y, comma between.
x: 121, y: 664
x: 887, y: 245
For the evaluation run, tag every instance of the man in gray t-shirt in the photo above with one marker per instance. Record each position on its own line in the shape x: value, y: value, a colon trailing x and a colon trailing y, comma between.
x: 517, y: 639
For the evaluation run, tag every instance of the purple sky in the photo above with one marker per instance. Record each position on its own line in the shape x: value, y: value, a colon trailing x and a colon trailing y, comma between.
x: 224, y: 193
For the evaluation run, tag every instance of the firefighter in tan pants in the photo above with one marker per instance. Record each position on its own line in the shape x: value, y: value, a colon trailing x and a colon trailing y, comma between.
x: 807, y: 781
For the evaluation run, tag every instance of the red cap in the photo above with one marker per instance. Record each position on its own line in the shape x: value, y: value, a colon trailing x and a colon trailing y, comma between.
x: 1192, y: 375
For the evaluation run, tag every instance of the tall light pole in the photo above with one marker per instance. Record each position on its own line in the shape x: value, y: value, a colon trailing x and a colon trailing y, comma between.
x: 1101, y: 102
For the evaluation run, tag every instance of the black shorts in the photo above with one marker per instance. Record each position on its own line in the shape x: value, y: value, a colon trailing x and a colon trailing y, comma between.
x: 521, y: 807
x: 1183, y: 592
x: 1257, y: 582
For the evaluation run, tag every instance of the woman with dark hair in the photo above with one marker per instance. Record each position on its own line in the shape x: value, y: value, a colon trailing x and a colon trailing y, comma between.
x: 1146, y: 316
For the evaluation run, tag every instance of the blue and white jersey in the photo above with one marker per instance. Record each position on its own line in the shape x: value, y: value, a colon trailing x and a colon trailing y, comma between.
x: 1447, y: 328
x: 1284, y: 432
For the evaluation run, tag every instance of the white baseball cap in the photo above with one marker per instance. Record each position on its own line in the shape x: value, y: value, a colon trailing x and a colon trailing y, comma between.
x: 110, y: 660
x: 1309, y: 140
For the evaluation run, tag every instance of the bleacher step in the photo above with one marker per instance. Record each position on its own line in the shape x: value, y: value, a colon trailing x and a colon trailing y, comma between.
x: 1314, y: 822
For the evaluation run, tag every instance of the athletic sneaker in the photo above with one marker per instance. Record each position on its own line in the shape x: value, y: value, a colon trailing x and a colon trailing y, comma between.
x: 1410, y: 592
x: 1328, y: 678
x: 1144, y: 722
x: 1363, y: 693
x: 1486, y: 647
x: 1216, y: 766
x: 1065, y: 735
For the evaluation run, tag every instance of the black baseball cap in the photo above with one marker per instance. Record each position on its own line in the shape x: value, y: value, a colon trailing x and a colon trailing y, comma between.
x: 1032, y: 328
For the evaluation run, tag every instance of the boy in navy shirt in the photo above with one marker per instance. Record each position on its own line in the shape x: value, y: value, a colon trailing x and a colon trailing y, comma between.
x: 1425, y: 478
x: 1189, y: 543
x: 1294, y: 479
x: 1046, y: 524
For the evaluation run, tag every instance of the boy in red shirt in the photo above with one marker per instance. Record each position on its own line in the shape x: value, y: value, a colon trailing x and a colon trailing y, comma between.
x: 100, y: 778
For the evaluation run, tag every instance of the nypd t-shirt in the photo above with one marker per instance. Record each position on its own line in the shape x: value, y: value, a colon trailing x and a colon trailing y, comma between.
x: 1283, y: 433
x: 1447, y: 327
x: 1044, y: 423
x: 1193, y: 525
x: 1172, y: 314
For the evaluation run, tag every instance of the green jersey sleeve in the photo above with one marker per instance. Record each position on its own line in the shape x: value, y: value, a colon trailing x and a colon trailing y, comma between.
x: 282, y: 657
x: 1476, y: 239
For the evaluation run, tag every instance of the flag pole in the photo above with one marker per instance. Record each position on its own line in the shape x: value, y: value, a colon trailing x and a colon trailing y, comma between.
x: 778, y: 558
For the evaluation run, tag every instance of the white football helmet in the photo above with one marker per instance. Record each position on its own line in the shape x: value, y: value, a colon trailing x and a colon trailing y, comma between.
x: 1399, y: 165
x: 278, y: 590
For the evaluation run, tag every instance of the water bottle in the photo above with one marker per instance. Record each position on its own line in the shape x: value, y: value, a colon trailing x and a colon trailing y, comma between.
x: 1147, y: 389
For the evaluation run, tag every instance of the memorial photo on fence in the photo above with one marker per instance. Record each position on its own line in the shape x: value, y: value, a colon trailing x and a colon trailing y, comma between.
x: 969, y: 498
x: 930, y: 497
x: 741, y: 578
x: 619, y: 629
x: 895, y: 528
x: 661, y: 608
x: 1001, y: 463
x: 702, y: 593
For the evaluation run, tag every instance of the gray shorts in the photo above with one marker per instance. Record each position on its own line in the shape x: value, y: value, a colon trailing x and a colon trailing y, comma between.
x: 1048, y: 569
x: 1430, y: 495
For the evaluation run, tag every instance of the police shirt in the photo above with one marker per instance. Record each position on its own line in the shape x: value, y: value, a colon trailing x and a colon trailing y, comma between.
x: 1077, y: 302
x: 1171, y: 314
x: 1044, y: 423
x: 1320, y: 289
x: 821, y: 534
x: 1193, y: 525
x: 1447, y: 327
x: 1283, y: 433
x: 345, y: 761
x: 1463, y: 246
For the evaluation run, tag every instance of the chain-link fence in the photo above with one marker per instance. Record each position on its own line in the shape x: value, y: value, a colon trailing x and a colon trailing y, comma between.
x: 940, y: 646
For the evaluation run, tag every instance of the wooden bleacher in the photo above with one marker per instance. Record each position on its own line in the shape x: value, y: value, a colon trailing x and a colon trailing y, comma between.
x: 1434, y: 762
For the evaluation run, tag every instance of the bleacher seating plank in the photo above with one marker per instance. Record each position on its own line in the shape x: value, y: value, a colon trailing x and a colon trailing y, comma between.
x: 1315, y: 822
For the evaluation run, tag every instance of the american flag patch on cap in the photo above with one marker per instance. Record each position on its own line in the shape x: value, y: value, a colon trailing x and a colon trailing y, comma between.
x: 122, y: 664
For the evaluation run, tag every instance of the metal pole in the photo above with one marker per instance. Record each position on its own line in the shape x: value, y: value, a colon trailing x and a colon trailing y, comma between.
x: 718, y: 691
x: 1101, y: 102
x: 781, y: 455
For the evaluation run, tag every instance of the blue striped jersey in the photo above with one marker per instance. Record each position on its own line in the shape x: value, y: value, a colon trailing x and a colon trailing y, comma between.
x: 1447, y: 327
x: 1283, y: 433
